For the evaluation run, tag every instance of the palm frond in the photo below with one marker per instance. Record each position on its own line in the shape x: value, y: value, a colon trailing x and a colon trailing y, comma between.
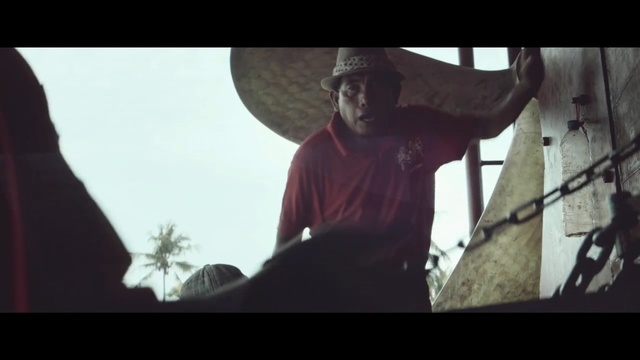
x: 138, y: 254
x: 152, y: 257
x: 184, y: 266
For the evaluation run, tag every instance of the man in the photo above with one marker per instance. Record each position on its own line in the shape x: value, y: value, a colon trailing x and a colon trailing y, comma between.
x: 373, y: 166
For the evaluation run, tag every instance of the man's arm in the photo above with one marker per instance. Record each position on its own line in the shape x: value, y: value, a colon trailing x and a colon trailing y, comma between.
x: 283, y: 240
x: 531, y: 75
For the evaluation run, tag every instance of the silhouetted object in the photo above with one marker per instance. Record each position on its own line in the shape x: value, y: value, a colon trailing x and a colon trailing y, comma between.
x: 341, y: 269
x: 63, y: 253
x: 208, y: 279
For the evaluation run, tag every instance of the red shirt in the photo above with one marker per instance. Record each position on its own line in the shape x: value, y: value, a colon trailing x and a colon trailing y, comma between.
x: 330, y: 182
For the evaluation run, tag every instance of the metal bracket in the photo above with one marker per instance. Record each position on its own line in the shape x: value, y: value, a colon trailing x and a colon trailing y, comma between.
x: 582, y: 100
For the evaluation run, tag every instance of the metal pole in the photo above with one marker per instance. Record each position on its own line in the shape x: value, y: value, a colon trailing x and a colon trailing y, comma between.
x: 472, y: 160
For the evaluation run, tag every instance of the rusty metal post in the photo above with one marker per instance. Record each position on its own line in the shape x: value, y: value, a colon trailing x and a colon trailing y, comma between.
x: 473, y: 160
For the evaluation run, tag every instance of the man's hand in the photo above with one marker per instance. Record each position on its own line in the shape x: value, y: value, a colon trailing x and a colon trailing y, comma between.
x: 531, y: 69
x: 530, y: 72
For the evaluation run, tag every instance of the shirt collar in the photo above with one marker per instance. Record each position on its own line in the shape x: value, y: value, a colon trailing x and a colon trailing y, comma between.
x: 336, y: 129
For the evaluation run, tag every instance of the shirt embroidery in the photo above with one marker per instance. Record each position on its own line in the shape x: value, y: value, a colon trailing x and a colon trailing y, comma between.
x: 410, y: 156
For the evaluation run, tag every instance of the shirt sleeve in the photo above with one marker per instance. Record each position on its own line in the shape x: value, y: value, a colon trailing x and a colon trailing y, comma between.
x: 295, y: 212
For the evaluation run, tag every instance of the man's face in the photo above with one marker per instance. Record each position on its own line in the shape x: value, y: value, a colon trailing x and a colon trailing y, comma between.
x: 365, y: 102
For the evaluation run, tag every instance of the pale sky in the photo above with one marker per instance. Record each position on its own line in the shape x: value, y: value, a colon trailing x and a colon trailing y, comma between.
x: 159, y: 134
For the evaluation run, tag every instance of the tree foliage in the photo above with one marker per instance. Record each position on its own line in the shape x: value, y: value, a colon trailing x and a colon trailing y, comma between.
x: 168, y: 247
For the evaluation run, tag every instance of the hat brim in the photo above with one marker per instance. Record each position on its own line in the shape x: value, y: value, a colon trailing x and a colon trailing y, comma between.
x: 328, y: 83
x: 280, y: 88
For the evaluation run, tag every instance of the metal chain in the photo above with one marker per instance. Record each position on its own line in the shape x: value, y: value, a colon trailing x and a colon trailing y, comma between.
x: 624, y: 217
x: 587, y: 268
x: 534, y: 207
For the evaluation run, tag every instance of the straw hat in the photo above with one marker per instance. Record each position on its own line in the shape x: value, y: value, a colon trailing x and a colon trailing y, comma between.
x: 355, y: 60
x: 286, y: 88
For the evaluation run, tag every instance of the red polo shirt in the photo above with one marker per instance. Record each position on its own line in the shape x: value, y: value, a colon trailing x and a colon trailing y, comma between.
x: 330, y: 181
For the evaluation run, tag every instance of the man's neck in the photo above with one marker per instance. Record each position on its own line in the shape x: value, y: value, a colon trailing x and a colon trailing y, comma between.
x: 359, y: 143
x: 364, y: 143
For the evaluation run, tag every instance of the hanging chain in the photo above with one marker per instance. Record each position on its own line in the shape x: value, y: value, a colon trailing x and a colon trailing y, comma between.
x: 587, y: 268
x: 534, y: 207
x: 624, y: 217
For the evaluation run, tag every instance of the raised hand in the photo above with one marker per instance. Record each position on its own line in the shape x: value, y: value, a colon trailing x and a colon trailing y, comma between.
x: 531, y: 68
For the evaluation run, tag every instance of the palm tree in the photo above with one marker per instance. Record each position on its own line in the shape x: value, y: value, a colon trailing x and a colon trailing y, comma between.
x: 167, y: 247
